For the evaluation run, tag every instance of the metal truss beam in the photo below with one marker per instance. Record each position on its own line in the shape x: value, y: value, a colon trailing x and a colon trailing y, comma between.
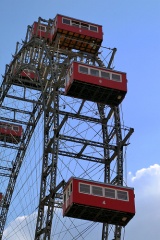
x: 51, y: 63
x: 87, y: 142
x: 16, y: 168
x: 14, y: 120
x: 81, y: 157
x: 15, y: 110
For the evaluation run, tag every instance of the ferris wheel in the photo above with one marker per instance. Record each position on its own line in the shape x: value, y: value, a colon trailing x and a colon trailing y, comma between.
x: 62, y: 137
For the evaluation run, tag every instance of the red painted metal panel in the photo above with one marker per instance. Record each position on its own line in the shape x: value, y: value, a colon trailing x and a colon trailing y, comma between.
x: 99, y: 81
x: 114, y: 204
x: 76, y: 36
x: 98, y: 208
x: 26, y: 77
x: 61, y: 26
x: 28, y: 74
x: 1, y: 196
x: 95, y: 88
x: 5, y: 130
x: 39, y: 32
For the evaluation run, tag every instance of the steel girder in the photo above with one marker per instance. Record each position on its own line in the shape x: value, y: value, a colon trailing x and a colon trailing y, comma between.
x: 50, y: 64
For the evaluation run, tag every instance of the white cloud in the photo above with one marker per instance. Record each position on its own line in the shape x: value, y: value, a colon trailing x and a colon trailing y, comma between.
x: 153, y: 170
x: 145, y: 224
x: 22, y: 228
x: 146, y: 180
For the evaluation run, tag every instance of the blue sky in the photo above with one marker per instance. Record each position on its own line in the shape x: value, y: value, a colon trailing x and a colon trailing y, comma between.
x: 133, y: 28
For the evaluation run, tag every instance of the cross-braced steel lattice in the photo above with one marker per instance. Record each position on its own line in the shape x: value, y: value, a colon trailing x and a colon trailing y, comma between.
x: 62, y: 137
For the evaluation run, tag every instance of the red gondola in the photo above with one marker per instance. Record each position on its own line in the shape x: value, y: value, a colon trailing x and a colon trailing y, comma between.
x: 95, y: 84
x: 41, y: 31
x: 26, y: 73
x: 1, y: 196
x: 30, y: 79
x: 10, y: 132
x: 74, y: 34
x: 27, y: 78
x: 99, y: 202
x: 77, y: 34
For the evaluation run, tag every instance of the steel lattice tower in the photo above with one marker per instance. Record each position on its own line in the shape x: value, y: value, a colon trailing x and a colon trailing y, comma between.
x: 78, y: 136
